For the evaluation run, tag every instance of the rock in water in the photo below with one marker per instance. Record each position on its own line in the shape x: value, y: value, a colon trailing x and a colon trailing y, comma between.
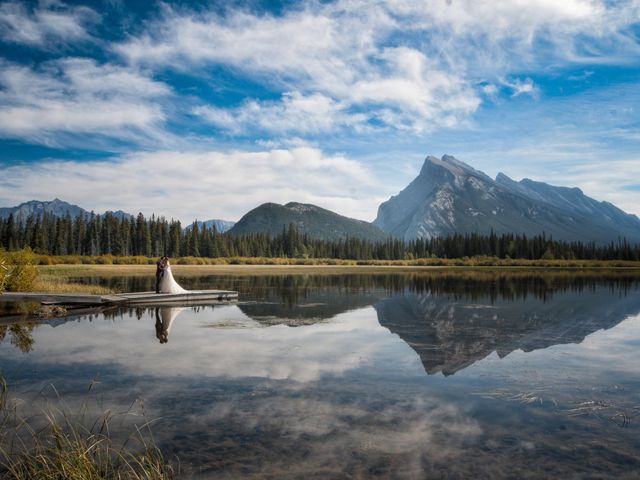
x: 50, y: 311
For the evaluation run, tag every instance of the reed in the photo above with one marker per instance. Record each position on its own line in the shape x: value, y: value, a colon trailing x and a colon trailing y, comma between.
x: 58, y: 443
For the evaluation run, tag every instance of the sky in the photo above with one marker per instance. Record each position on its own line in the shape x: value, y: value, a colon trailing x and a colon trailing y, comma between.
x: 200, y: 110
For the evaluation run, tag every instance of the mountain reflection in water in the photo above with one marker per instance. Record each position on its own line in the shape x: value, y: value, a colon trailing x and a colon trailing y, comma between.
x: 451, y: 334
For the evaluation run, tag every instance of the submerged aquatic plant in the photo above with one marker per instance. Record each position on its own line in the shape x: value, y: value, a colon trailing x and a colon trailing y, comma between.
x: 608, y: 410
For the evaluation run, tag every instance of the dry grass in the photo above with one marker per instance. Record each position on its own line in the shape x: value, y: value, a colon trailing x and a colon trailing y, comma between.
x: 478, y: 261
x: 68, y: 271
x: 51, y: 284
x: 59, y: 444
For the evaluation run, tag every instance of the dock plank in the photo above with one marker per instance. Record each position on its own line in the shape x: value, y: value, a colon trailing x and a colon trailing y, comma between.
x: 131, y: 298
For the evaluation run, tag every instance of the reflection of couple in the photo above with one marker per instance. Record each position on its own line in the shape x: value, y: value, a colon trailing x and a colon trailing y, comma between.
x: 164, y: 318
x: 165, y: 282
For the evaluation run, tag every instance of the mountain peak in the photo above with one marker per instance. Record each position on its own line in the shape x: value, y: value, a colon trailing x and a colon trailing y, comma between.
x: 449, y: 196
x: 449, y: 163
x: 502, y: 178
x: 301, y: 207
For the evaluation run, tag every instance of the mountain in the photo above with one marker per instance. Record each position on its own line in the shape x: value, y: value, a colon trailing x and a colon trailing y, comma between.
x: 56, y: 208
x: 120, y: 214
x: 221, y: 225
x: 314, y: 221
x: 449, y: 196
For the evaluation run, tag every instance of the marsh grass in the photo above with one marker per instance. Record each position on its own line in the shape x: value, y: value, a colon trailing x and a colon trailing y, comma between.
x: 59, y: 442
x: 476, y: 261
x: 53, y: 284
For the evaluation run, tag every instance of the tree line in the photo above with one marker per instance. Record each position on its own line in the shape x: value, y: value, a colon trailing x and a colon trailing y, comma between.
x: 108, y: 234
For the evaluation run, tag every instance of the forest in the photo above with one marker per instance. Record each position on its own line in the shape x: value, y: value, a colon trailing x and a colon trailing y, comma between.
x: 107, y: 234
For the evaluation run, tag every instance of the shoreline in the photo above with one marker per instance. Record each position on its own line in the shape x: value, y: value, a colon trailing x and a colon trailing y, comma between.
x: 262, y: 269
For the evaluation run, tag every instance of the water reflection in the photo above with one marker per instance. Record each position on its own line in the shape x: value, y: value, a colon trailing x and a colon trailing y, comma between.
x: 449, y: 334
x: 164, y: 319
x: 20, y: 335
x: 353, y: 377
x: 292, y: 290
x: 451, y: 320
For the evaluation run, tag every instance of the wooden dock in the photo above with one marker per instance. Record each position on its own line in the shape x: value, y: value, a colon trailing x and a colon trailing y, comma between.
x: 124, y: 299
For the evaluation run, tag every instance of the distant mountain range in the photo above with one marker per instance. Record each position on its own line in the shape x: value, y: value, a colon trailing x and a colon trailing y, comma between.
x: 60, y: 208
x: 221, y: 225
x: 449, y: 196
x: 55, y: 207
x: 310, y: 219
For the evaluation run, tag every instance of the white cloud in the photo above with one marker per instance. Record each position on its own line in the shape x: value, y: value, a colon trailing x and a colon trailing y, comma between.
x: 338, y: 71
x: 522, y: 87
x: 498, y: 38
x: 78, y: 96
x: 203, y: 185
x: 50, y: 22
x: 296, y: 112
x: 393, y: 64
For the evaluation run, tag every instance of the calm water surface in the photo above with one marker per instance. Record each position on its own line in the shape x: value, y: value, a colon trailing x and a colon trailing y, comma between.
x: 364, y: 376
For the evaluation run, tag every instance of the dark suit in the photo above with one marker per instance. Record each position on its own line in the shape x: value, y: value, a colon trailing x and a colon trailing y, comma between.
x: 160, y: 269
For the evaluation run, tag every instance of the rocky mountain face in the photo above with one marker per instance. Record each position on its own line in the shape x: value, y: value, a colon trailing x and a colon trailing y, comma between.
x: 315, y: 221
x: 221, y: 225
x: 56, y: 208
x: 449, y: 196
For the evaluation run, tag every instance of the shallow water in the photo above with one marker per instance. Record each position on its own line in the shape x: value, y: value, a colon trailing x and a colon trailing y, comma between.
x: 363, y: 376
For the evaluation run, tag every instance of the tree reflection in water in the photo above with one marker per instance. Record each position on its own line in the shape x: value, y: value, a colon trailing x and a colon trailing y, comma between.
x: 21, y: 335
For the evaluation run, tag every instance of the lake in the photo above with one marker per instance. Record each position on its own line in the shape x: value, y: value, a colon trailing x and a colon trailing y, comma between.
x: 433, y: 374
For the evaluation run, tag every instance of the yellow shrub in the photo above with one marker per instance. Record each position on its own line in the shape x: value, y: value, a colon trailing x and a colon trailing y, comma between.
x: 22, y: 271
x: 4, y: 271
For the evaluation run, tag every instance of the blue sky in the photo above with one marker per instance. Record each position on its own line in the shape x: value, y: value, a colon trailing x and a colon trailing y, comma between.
x: 207, y: 109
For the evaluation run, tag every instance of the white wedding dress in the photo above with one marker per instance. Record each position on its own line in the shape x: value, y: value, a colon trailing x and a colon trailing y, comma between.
x: 168, y: 283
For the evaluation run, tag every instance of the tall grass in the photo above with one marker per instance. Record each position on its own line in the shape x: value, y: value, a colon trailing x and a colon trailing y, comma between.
x: 59, y: 443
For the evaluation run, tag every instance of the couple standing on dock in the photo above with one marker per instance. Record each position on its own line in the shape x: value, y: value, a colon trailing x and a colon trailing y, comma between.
x: 165, y: 282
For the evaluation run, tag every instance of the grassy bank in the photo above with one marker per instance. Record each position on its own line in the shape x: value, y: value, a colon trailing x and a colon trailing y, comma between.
x: 68, y: 273
x: 19, y: 273
x: 31, y: 272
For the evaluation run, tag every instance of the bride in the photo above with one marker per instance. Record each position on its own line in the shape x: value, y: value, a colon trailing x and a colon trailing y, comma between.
x: 167, y: 283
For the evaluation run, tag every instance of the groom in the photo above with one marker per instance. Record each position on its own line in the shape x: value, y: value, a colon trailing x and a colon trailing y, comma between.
x: 161, y: 267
